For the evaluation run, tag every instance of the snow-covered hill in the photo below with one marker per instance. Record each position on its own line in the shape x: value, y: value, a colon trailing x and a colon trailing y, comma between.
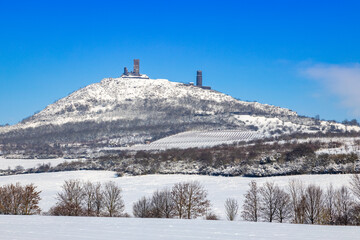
x: 125, y: 111
x: 112, y: 98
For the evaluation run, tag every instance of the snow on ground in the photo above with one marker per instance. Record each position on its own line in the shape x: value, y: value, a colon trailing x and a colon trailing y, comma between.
x: 56, y: 228
x: 30, y: 163
x: 219, y: 188
x: 349, y: 145
x: 200, y: 139
x: 266, y: 125
x: 134, y: 187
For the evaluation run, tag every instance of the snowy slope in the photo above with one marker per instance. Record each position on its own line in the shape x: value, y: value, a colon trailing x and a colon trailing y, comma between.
x: 121, y: 112
x: 266, y: 127
x: 101, y: 101
x: 199, y: 139
x: 60, y: 228
x: 270, y: 125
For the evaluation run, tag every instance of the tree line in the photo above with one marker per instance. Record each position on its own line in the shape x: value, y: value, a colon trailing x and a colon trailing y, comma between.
x: 183, y: 200
x: 296, y: 203
x: 89, y: 199
x: 302, y: 204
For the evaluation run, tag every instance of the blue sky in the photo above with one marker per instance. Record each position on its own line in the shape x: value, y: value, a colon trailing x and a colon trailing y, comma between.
x: 301, y: 55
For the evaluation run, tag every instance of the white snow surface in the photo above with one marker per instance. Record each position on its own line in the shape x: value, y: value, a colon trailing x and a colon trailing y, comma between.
x: 266, y: 125
x: 81, y: 228
x: 219, y: 188
x: 30, y: 163
x: 134, y: 187
x: 200, y: 139
x: 349, y: 145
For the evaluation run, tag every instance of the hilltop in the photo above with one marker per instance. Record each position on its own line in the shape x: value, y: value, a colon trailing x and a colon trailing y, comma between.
x: 120, y: 112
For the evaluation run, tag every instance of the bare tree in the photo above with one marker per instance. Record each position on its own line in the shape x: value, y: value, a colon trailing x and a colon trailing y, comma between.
x: 143, y: 208
x: 344, y: 205
x: 15, y: 192
x: 190, y: 199
x: 250, y: 209
x: 283, y: 209
x: 89, y: 197
x: 157, y: 204
x: 113, y: 203
x: 329, y: 206
x: 70, y: 200
x: 296, y: 190
x: 30, y: 200
x: 16, y: 199
x: 355, y: 188
x: 5, y: 201
x: 355, y: 185
x: 231, y: 208
x: 178, y: 193
x: 313, y: 203
x: 98, y: 199
x: 162, y: 204
x: 169, y: 205
x: 268, y: 201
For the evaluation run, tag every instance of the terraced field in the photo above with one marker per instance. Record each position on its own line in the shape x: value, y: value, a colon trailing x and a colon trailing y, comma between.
x: 200, y: 139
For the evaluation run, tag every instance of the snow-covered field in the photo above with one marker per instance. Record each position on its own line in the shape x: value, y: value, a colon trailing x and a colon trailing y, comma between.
x: 56, y: 228
x: 200, y: 139
x: 219, y: 188
x: 30, y: 163
x: 349, y: 145
x: 134, y: 187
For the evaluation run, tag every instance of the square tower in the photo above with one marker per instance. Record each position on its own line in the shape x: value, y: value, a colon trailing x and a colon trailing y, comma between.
x: 137, y: 66
x: 199, y: 78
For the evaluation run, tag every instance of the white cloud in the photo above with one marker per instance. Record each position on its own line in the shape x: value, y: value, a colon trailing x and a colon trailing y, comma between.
x: 342, y: 81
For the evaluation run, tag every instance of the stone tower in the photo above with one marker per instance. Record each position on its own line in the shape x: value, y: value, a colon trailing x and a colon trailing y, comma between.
x: 199, y: 78
x: 137, y: 67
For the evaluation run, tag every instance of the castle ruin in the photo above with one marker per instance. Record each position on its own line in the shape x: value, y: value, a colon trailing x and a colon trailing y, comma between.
x: 135, y: 73
x: 199, y: 80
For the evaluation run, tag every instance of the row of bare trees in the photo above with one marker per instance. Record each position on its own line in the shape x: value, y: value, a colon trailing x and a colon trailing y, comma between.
x: 184, y: 200
x: 89, y: 199
x: 301, y: 204
x: 16, y: 199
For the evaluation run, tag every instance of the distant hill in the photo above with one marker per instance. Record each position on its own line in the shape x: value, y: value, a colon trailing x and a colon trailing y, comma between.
x: 125, y: 111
